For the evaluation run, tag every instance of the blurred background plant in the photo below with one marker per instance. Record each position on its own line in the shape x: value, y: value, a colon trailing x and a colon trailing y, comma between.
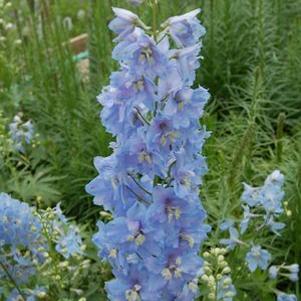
x: 251, y: 65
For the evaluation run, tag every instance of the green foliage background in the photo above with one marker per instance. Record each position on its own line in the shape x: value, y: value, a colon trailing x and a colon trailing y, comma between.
x: 251, y: 65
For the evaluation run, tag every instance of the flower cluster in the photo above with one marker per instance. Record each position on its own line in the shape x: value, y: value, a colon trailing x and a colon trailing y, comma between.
x: 18, y: 225
x: 20, y: 230
x: 27, y: 238
x: 217, y: 275
x: 267, y: 199
x: 262, y: 208
x: 21, y: 133
x: 151, y: 181
x: 258, y: 258
x: 289, y: 271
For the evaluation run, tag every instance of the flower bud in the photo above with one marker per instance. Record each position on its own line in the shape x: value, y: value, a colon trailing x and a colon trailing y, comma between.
x: 226, y: 270
x: 205, y: 278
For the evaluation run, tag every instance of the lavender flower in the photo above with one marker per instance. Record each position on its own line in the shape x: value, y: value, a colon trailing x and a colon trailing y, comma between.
x: 151, y: 181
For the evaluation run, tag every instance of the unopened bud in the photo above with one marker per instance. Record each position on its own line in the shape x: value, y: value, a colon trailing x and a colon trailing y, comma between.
x: 226, y: 270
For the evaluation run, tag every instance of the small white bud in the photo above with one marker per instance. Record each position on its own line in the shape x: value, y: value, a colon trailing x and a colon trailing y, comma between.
x: 226, y: 270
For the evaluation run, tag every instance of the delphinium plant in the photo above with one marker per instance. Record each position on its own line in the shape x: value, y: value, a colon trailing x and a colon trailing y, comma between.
x: 150, y: 183
x: 261, y: 219
x: 22, y: 133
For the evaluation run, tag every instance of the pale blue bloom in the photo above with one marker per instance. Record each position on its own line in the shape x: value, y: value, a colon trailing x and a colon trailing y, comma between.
x: 274, y: 226
x: 186, y: 61
x: 294, y: 277
x: 244, y: 224
x: 69, y: 244
x: 273, y: 271
x: 186, y: 105
x: 286, y: 297
x: 18, y: 225
x: 293, y: 268
x: 21, y: 133
x: 30, y: 296
x: 268, y: 198
x: 225, y: 291
x: 226, y: 224
x: 14, y: 296
x: 124, y: 23
x: 293, y: 271
x: 252, y: 196
x: 258, y: 258
x: 59, y: 213
x: 186, y: 29
x: 233, y: 240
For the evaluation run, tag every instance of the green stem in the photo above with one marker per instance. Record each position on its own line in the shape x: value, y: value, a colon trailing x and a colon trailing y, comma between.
x: 140, y: 199
x: 142, y: 118
x: 279, y: 136
x: 139, y: 184
x: 155, y: 15
x: 12, y: 280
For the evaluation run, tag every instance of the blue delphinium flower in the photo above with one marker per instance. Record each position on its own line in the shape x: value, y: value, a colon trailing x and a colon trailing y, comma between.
x: 233, y: 240
x: 151, y: 181
x: 69, y: 244
x: 20, y: 231
x: 185, y: 30
x: 226, y: 224
x: 289, y: 271
x: 21, y: 133
x: 225, y: 289
x: 286, y: 297
x: 267, y: 198
x: 68, y: 239
x: 32, y: 295
x: 258, y: 258
x: 273, y: 271
x: 18, y: 225
x: 294, y: 272
x: 14, y: 295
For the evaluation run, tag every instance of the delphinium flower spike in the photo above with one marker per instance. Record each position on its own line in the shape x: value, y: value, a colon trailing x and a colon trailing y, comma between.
x: 151, y: 181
